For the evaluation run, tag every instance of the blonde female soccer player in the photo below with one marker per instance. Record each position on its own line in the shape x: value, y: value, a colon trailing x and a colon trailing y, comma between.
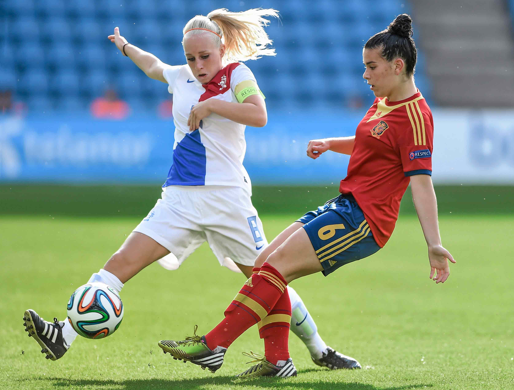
x: 392, y: 147
x: 207, y: 193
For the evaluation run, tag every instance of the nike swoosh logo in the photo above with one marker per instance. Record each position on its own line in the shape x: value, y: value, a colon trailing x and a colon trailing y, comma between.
x: 190, y: 81
x: 259, y: 247
x: 302, y: 321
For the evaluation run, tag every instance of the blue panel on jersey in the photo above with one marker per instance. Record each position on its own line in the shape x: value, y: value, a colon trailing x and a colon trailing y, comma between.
x: 189, y: 162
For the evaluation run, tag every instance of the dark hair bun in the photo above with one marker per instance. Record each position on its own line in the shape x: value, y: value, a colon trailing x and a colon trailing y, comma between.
x: 401, y: 26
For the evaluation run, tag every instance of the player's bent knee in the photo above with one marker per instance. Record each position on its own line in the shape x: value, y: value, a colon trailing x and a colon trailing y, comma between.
x: 261, y: 259
x: 279, y: 261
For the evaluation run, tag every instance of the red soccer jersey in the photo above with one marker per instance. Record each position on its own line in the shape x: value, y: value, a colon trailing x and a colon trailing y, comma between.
x: 392, y: 142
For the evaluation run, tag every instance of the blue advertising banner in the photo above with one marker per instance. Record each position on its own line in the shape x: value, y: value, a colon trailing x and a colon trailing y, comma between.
x: 470, y: 147
x: 76, y: 149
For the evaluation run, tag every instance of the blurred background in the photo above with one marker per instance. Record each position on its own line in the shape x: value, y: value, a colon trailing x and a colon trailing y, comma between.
x: 75, y: 111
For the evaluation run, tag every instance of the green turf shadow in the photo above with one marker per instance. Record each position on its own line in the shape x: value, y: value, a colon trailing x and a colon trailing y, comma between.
x: 258, y: 383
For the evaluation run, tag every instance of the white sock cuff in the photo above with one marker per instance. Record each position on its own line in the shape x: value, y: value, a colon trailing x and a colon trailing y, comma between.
x: 108, y: 278
x: 111, y: 280
x: 68, y: 333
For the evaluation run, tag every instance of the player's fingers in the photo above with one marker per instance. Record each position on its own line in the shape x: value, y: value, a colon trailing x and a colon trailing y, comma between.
x: 193, y: 122
x: 432, y: 270
x: 450, y: 257
x: 443, y: 275
x: 442, y: 278
x: 117, y: 31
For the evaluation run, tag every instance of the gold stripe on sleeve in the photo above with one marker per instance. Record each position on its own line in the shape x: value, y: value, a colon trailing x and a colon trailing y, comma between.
x: 422, y: 123
x: 412, y: 124
x: 415, y: 116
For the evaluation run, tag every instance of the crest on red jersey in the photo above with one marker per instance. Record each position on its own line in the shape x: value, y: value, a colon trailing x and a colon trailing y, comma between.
x: 379, y: 129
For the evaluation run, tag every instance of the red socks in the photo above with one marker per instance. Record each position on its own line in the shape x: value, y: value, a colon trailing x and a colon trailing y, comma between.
x: 274, y: 329
x: 258, y: 296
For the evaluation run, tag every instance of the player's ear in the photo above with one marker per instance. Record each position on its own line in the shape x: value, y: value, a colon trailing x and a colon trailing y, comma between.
x: 398, y: 65
x: 222, y: 50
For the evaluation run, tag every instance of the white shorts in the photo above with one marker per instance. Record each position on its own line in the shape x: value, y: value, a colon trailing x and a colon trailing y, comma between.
x: 185, y: 217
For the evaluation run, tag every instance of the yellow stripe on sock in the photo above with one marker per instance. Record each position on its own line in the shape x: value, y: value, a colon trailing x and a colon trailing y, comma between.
x: 274, y: 279
x: 256, y: 307
x: 274, y: 318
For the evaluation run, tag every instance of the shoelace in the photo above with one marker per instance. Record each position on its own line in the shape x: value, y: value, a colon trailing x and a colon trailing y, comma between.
x: 193, y: 339
x: 256, y: 357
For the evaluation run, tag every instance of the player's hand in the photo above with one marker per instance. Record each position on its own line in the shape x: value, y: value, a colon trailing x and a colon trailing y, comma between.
x: 117, y: 39
x: 438, y: 257
x: 198, y: 112
x: 317, y: 147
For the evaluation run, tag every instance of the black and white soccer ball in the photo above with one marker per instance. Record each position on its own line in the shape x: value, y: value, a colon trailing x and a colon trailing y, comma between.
x: 95, y: 310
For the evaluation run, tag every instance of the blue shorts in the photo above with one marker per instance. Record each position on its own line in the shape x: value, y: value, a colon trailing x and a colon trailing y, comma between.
x: 339, y: 233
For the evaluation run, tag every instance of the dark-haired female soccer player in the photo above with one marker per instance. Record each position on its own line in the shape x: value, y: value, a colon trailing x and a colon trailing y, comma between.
x: 392, y: 148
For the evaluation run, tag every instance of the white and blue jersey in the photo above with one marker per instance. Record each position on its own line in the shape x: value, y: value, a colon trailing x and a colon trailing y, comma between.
x: 214, y: 153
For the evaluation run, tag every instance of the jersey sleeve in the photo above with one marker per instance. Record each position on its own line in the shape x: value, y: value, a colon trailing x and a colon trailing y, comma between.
x: 170, y: 74
x: 243, y: 83
x: 416, y: 144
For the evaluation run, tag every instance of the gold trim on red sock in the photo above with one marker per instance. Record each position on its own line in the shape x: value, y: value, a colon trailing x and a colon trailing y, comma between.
x: 252, y: 304
x: 271, y: 318
x: 273, y: 279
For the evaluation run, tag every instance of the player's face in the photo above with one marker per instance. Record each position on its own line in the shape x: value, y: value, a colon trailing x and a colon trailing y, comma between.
x: 203, y: 56
x: 380, y: 74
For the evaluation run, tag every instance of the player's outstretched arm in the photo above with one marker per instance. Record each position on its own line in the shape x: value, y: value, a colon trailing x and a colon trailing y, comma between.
x: 425, y: 201
x: 147, y: 62
x: 343, y: 145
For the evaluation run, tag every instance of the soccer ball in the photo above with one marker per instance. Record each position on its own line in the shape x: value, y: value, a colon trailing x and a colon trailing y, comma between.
x: 95, y: 311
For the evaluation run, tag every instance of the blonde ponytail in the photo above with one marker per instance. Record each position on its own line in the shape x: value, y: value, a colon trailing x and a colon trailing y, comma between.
x: 242, y: 32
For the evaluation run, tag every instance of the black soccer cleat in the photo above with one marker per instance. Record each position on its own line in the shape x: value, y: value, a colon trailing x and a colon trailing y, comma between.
x: 336, y: 361
x: 47, y: 334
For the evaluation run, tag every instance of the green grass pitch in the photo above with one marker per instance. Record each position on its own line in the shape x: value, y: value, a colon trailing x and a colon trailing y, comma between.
x: 407, y: 332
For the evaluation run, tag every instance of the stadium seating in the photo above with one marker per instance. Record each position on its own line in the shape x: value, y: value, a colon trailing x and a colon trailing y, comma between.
x: 57, y: 49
